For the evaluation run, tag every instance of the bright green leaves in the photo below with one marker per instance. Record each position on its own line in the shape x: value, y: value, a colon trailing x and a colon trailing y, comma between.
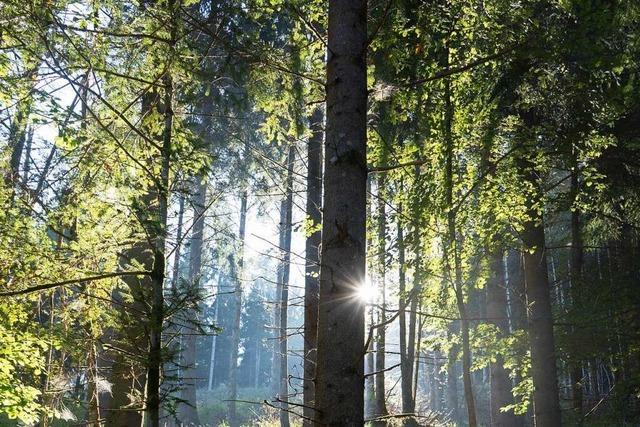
x: 21, y: 362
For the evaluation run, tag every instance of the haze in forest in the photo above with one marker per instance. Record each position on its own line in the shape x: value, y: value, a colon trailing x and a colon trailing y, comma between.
x: 319, y: 213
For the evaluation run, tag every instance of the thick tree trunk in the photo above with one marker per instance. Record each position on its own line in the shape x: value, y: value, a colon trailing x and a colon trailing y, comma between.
x: 312, y: 264
x: 340, y: 376
x: 187, y: 408
x: 287, y: 205
x: 236, y: 276
x: 540, y: 320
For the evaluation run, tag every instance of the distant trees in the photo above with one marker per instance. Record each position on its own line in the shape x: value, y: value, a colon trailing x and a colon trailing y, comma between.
x: 194, y: 192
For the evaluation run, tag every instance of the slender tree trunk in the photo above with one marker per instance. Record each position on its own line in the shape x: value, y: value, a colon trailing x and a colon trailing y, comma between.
x: 235, y: 332
x: 497, y: 314
x: 17, y: 136
x: 27, y: 157
x: 453, y: 404
x: 452, y: 250
x: 312, y: 265
x: 575, y: 273
x: 540, y: 320
x: 340, y: 374
x: 93, y: 394
x: 158, y: 272
x: 369, y: 382
x: 171, y: 370
x: 370, y: 368
x: 214, y: 337
x: 284, y: 297
x: 514, y: 277
x: 275, y: 366
x: 409, y: 385
x: 497, y: 306
x: 405, y: 382
x: 187, y: 408
x: 380, y: 398
x: 177, y: 254
x: 416, y: 369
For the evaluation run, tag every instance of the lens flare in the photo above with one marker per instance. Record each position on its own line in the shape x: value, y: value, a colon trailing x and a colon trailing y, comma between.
x: 366, y: 292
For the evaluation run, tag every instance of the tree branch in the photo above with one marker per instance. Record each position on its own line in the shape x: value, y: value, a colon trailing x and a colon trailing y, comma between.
x: 46, y: 286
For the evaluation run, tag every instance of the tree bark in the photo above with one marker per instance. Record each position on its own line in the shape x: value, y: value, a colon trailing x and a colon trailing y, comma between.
x: 287, y: 205
x: 540, y: 320
x: 340, y: 374
x: 501, y: 395
x: 236, y: 276
x: 380, y: 397
x: 312, y: 264
x: 212, y: 354
x: 187, y: 408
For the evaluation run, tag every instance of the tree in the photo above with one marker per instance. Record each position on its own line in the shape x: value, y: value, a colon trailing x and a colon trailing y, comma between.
x: 339, y: 375
x: 312, y: 259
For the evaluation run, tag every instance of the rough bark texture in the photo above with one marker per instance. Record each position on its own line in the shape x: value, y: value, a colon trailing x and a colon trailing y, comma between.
x: 540, y: 320
x: 285, y: 229
x: 340, y: 376
x: 236, y: 276
x: 312, y: 265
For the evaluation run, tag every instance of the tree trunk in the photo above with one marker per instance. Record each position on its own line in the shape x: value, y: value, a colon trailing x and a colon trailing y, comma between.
x: 340, y: 374
x: 284, y: 297
x: 187, y: 409
x: 501, y: 395
x: 575, y: 274
x: 543, y: 359
x: 27, y: 157
x: 409, y: 385
x: 369, y: 382
x: 380, y: 398
x: 17, y: 136
x: 514, y: 277
x: 158, y: 273
x: 452, y: 250
x: 312, y: 264
x: 212, y: 355
x: 236, y: 276
x: 171, y: 370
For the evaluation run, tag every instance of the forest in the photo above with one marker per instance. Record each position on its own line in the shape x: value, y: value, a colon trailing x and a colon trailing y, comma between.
x: 319, y: 213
